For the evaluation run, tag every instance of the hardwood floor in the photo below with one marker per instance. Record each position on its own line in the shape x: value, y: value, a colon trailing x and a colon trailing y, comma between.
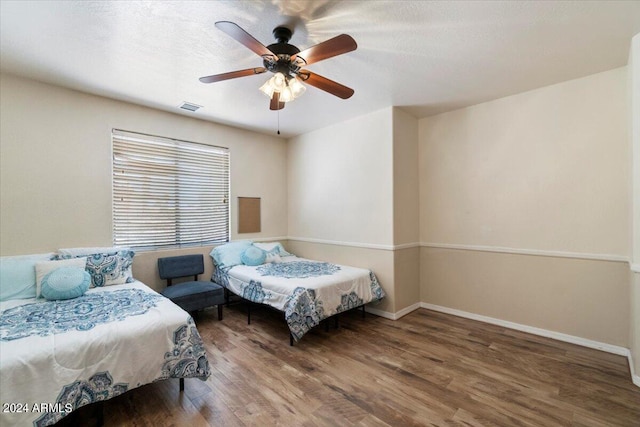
x: 427, y: 368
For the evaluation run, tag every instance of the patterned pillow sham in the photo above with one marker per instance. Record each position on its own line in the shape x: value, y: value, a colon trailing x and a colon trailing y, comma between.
x: 107, y: 268
x: 110, y: 269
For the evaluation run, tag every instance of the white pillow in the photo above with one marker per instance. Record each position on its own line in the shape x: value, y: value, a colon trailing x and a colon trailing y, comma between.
x: 272, y: 257
x: 44, y: 267
x: 273, y: 247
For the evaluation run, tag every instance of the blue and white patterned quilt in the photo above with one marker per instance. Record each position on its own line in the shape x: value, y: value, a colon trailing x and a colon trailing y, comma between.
x: 306, y: 291
x: 56, y: 356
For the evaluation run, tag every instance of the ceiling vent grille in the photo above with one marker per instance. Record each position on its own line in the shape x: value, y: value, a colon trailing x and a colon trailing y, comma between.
x: 190, y: 106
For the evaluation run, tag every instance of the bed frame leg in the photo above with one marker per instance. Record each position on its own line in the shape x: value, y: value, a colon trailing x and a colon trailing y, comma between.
x: 248, y: 312
x: 100, y: 414
x: 363, y: 312
x: 290, y: 339
x: 181, y: 384
x: 336, y: 321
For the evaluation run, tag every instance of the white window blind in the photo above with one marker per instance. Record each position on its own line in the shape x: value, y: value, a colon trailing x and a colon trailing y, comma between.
x: 168, y: 193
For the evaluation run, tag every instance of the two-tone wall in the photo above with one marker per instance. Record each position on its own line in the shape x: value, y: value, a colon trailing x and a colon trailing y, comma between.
x: 524, y: 208
x: 340, y: 195
x: 55, y: 169
x: 516, y: 210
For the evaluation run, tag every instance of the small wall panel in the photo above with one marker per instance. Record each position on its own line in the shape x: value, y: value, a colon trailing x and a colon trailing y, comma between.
x: 248, y: 215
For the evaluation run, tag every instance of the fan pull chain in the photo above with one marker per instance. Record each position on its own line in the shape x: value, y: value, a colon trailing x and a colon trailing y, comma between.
x: 278, y: 122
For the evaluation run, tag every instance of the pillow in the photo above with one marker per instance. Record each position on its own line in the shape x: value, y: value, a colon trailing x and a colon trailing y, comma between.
x: 110, y: 269
x: 272, y: 257
x: 273, y: 248
x: 45, y: 267
x: 18, y: 276
x: 229, y: 254
x: 80, y: 252
x: 65, y: 283
x: 253, y: 256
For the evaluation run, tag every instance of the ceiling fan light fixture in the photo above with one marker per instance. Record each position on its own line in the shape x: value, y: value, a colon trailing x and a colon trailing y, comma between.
x: 296, y: 87
x: 286, y: 95
x: 267, y: 88
x: 277, y: 83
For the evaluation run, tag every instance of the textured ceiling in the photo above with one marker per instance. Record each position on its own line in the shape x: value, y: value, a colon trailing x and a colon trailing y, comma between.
x: 427, y: 57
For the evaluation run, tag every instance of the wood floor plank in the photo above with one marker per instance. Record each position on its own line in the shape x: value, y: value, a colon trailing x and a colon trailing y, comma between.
x: 426, y: 369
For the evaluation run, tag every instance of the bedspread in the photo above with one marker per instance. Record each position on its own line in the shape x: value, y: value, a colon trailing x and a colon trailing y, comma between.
x: 56, y: 356
x: 307, y: 291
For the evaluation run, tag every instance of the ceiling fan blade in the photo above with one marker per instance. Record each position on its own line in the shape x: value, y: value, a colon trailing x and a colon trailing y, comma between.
x: 243, y: 37
x: 275, y: 102
x: 325, y: 84
x: 327, y: 49
x: 232, y: 75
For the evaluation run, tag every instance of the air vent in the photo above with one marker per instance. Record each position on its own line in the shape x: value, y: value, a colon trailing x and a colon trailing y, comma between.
x: 190, y: 106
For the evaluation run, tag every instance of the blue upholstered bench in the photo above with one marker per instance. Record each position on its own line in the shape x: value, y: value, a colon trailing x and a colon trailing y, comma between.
x: 191, y: 295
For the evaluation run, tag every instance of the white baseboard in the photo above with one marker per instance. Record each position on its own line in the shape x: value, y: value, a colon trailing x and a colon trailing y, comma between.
x: 393, y: 316
x: 634, y: 375
x: 609, y: 348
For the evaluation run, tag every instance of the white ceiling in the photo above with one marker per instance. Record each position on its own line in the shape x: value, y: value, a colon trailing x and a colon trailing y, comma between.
x: 425, y: 56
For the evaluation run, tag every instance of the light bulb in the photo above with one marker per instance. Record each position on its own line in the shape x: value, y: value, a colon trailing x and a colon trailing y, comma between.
x: 279, y: 82
x: 297, y: 88
x: 286, y: 94
x: 267, y: 88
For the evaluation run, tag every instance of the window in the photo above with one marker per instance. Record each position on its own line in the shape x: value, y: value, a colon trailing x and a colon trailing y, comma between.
x: 168, y: 193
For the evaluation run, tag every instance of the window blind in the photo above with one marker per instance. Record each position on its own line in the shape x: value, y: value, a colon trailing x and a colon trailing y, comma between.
x: 168, y: 193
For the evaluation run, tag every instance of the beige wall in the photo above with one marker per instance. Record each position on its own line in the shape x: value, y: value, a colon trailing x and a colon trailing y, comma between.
x: 544, y: 172
x: 634, y: 81
x: 582, y: 298
x: 340, y: 182
x: 406, y: 224
x: 55, y: 168
x: 546, y: 169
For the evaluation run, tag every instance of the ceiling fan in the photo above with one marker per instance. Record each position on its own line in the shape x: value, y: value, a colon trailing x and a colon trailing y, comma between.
x: 286, y: 62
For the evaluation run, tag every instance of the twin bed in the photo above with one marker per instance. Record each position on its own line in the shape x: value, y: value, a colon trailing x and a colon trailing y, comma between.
x: 57, y: 356
x: 306, y: 291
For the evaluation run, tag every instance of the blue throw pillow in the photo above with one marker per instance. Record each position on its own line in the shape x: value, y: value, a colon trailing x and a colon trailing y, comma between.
x: 230, y: 254
x: 253, y: 256
x: 65, y: 283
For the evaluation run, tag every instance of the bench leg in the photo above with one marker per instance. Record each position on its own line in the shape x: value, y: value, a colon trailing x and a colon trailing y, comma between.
x: 219, y: 311
x: 248, y: 312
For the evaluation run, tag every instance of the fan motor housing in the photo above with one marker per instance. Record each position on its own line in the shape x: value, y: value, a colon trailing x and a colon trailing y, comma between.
x: 284, y: 51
